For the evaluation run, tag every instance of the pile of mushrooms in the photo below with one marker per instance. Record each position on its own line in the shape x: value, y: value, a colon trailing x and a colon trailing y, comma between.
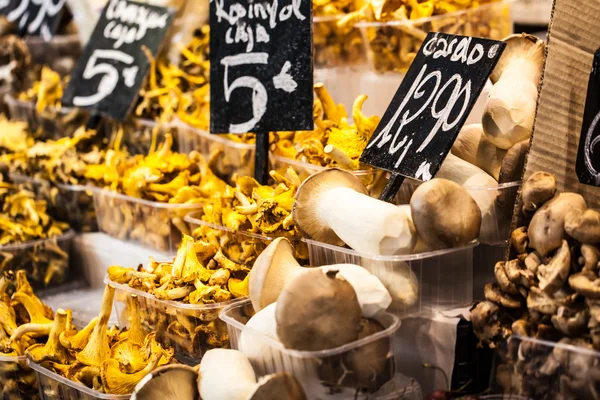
x: 493, y: 152
x: 333, y: 207
x: 223, y: 374
x: 316, y: 309
x: 548, y: 290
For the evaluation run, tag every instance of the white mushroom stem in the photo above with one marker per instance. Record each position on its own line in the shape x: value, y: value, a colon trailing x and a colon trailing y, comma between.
x: 251, y: 341
x: 226, y: 375
x: 366, y: 224
x: 472, y: 146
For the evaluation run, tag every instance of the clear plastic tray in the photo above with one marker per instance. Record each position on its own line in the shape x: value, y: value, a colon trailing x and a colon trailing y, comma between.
x: 497, y: 201
x: 334, y: 47
x: 17, y: 380
x: 70, y: 203
x: 158, y: 226
x: 374, y: 179
x: 421, y: 284
x: 492, y: 20
x: 315, y: 370
x: 55, y: 387
x: 191, y: 329
x: 540, y: 369
x: 51, y: 259
x: 225, y: 156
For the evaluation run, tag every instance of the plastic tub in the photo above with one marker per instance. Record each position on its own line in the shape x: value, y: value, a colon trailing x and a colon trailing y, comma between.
x: 69, y: 203
x: 425, y: 283
x: 55, y: 387
x: 374, y: 179
x: 49, y: 267
x: 17, y: 380
x: 496, y: 202
x: 540, y: 369
x: 191, y: 329
x: 158, y: 226
x: 225, y: 156
x: 392, y: 45
x: 317, y: 371
x: 334, y: 47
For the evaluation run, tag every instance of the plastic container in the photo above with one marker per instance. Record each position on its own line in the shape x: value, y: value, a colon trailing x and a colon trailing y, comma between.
x: 374, y: 179
x: 335, y: 47
x: 392, y: 45
x: 539, y: 369
x: 421, y: 284
x: 69, y: 203
x: 55, y: 387
x: 46, y: 260
x: 225, y: 156
x: 496, y: 202
x: 191, y: 329
x: 319, y: 372
x: 158, y: 226
x: 17, y: 380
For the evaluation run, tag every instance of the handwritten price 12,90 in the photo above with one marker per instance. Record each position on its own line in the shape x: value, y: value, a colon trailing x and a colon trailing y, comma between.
x: 110, y: 75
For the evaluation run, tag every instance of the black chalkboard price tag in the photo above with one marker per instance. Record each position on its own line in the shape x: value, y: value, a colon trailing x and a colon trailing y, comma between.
x: 588, y: 155
x: 261, y: 69
x: 34, y: 17
x: 110, y: 73
x: 430, y: 107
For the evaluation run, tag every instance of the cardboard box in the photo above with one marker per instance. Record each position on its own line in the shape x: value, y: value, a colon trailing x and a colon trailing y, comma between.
x: 573, y: 38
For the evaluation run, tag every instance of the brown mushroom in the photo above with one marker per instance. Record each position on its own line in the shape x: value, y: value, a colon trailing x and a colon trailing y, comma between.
x: 485, y: 318
x: 318, y: 311
x: 547, y: 227
x: 540, y: 301
x: 171, y: 382
x: 538, y: 189
x: 513, y: 162
x: 439, y: 227
x: 518, y: 275
x: 492, y: 293
x: 553, y: 276
x: 571, y: 322
x: 589, y: 259
x: 502, y: 279
x: 585, y: 284
x: 519, y: 240
x: 532, y: 262
x: 278, y: 386
x: 583, y: 226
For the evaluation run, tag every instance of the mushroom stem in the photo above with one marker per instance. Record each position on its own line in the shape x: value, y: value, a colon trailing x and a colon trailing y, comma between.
x: 366, y: 224
x: 340, y: 157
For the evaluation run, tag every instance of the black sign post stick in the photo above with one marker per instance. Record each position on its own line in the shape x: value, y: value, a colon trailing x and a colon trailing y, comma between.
x: 109, y: 75
x: 261, y: 70
x: 430, y: 107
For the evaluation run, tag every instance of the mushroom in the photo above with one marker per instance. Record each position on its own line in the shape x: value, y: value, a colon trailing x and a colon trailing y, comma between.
x: 444, y: 214
x: 502, y: 279
x: 537, y: 189
x: 491, y: 293
x: 590, y: 256
x: 519, y: 240
x: 540, y: 301
x: 74, y: 340
x: 276, y: 266
x: 510, y: 109
x: 171, y: 382
x: 333, y: 207
x: 472, y: 146
x: 571, y: 322
x: 583, y: 226
x: 228, y: 375
x: 52, y: 350
x: 97, y: 350
x: 513, y: 162
x: 546, y: 230
x: 117, y: 382
x: 318, y: 311
x: 264, y: 322
x: 585, y: 284
x: 553, y: 276
x: 486, y: 321
x: 532, y: 262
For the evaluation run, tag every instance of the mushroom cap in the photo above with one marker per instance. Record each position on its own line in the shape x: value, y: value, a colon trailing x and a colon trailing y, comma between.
x: 444, y: 214
x: 304, y: 211
x: 538, y: 189
x: 171, y: 382
x: 318, y: 310
x: 513, y: 162
x: 226, y: 374
x: 270, y: 273
x: 547, y: 227
x: 277, y: 387
x: 583, y: 226
x: 521, y: 46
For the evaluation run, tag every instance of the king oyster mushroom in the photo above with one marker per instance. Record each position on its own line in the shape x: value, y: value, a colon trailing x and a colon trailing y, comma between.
x: 510, y: 109
x: 444, y: 214
x: 333, y: 206
x: 170, y: 382
x: 276, y: 266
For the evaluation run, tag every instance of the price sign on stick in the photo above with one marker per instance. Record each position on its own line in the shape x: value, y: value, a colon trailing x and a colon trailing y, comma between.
x: 261, y: 69
x: 113, y: 67
x: 34, y: 17
x: 430, y: 107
